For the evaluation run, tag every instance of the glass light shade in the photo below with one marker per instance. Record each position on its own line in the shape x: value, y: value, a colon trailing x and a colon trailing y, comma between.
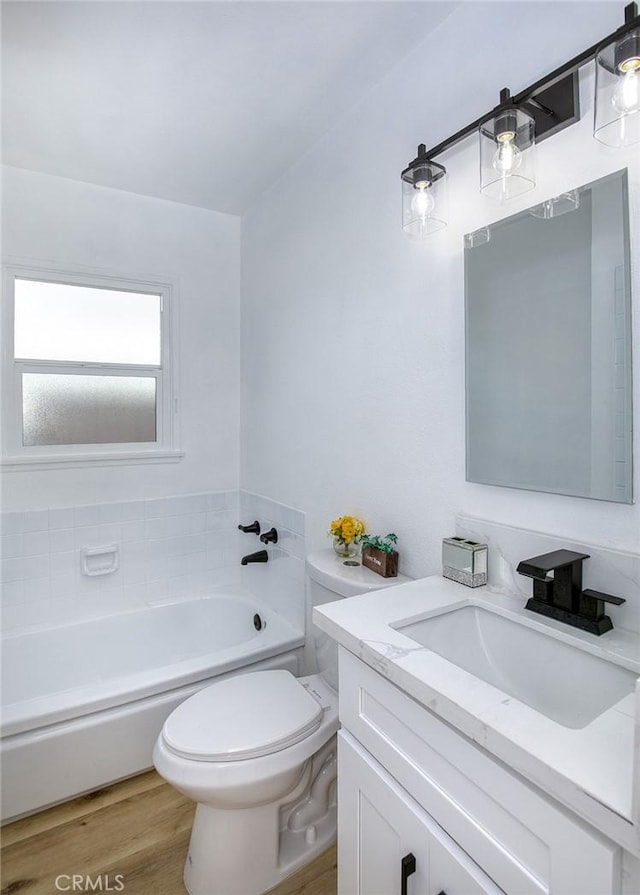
x: 507, y: 157
x: 423, y: 197
x: 565, y: 203
x: 617, y: 106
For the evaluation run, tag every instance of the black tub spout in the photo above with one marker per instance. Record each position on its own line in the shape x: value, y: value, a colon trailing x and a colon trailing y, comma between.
x: 258, y: 556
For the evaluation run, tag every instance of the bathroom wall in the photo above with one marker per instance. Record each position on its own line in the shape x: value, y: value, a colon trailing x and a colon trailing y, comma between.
x: 168, y: 548
x: 77, y: 225
x: 352, y: 352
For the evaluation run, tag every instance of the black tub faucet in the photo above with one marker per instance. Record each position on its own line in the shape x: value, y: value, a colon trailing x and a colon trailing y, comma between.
x: 253, y: 529
x: 269, y: 537
x: 558, y: 593
x: 258, y: 556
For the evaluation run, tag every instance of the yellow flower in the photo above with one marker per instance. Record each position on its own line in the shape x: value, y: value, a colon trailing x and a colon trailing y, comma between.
x: 347, y: 529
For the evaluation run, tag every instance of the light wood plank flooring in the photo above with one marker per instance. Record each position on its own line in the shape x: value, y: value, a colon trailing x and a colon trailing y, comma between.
x: 138, y: 828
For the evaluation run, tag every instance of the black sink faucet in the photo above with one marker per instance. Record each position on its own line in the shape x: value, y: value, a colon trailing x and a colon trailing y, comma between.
x: 558, y: 593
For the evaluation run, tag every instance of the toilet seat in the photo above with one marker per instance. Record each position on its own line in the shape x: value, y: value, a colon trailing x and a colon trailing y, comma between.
x: 242, y: 717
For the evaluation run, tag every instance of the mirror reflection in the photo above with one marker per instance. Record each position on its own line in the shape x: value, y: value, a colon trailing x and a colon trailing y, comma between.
x: 548, y: 346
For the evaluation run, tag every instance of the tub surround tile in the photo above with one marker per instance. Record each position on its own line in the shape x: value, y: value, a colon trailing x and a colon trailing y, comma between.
x: 87, y: 515
x: 61, y: 539
x: 66, y: 564
x: 92, y: 536
x: 169, y: 548
x: 35, y: 520
x: 11, y: 523
x: 10, y: 546
x: 12, y: 592
x: 25, y: 567
x: 133, y: 530
x: 63, y: 518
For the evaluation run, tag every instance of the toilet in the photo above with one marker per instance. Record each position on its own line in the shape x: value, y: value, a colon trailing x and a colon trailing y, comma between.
x: 257, y: 752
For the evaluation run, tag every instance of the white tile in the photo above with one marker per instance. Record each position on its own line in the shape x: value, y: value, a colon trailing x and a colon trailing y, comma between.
x: 199, y: 562
x: 61, y: 539
x: 12, y: 592
x: 157, y: 568
x: 111, y: 512
x: 10, y: 546
x: 35, y: 520
x: 175, y: 546
x: 156, y: 507
x: 190, y: 503
x: 25, y: 568
x: 177, y: 526
x: 294, y: 520
x: 133, y: 530
x: 38, y: 589
x: 136, y: 551
x: 12, y: 523
x: 197, y: 523
x: 133, y: 510
x: 66, y: 563
x: 12, y: 570
x: 61, y: 518
x: 157, y: 590
x: 155, y: 529
x: 232, y: 499
x: 87, y: 515
x: 35, y: 543
x: 63, y: 586
x: 177, y: 566
x: 97, y: 535
x: 215, y: 500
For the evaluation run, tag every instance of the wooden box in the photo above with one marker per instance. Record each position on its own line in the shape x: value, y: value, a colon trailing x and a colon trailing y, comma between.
x: 385, y: 564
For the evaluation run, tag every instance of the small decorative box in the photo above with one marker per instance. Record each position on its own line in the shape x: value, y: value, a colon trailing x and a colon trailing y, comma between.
x: 464, y: 561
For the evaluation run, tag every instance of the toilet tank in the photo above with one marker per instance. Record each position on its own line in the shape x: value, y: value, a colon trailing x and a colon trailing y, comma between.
x: 329, y: 579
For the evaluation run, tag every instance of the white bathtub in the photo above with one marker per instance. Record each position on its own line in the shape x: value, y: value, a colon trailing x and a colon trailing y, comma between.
x: 82, y: 704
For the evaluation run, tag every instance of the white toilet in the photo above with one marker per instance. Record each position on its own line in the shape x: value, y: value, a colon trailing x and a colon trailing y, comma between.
x: 257, y: 752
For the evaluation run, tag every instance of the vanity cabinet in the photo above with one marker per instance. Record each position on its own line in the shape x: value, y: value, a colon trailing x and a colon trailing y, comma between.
x: 394, y: 846
x: 411, y: 784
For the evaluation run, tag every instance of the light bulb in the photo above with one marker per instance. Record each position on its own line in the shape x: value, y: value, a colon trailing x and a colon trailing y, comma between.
x: 508, y: 157
x: 423, y: 202
x: 626, y: 96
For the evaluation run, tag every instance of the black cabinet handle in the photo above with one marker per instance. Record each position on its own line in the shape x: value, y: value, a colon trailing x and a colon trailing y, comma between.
x: 407, y: 867
x: 253, y: 529
x: 442, y: 893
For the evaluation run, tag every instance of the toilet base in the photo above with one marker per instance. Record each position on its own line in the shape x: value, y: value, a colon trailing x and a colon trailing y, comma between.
x: 249, y: 851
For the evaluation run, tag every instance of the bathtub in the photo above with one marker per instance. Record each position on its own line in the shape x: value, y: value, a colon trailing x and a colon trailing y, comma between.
x: 82, y: 704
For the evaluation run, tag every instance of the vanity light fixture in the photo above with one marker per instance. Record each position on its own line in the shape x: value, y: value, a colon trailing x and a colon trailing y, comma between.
x: 507, y: 143
x: 509, y: 132
x: 617, y: 109
x: 423, y: 196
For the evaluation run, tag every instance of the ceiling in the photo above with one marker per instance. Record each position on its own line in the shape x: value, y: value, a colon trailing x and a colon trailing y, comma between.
x: 205, y: 103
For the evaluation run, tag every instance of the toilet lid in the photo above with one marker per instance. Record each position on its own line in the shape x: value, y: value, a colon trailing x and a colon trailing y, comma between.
x: 243, y: 717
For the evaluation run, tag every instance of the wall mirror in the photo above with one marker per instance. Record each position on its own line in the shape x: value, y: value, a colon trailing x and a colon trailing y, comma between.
x: 548, y: 346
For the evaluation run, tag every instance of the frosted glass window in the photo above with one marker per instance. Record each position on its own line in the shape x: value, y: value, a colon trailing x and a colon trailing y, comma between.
x: 58, y: 322
x: 75, y: 409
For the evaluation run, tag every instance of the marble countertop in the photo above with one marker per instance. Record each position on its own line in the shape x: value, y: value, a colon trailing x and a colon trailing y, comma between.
x: 592, y: 770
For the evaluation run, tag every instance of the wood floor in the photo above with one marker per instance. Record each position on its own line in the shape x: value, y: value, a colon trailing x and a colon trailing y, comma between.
x: 138, y: 829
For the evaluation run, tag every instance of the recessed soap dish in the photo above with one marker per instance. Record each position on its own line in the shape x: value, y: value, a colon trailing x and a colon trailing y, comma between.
x: 96, y: 561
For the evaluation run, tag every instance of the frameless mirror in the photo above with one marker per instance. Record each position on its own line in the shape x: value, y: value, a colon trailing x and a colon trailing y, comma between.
x: 548, y: 346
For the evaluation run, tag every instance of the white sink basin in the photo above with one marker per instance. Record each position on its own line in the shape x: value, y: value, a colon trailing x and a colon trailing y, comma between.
x: 559, y: 680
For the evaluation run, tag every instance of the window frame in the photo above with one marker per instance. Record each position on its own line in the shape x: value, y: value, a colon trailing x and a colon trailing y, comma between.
x: 16, y: 455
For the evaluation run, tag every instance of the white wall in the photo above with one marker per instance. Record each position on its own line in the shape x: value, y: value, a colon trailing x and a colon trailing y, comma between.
x: 353, y: 337
x: 72, y: 224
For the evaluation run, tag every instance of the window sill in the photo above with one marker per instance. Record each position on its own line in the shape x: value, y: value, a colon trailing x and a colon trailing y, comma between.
x: 71, y: 461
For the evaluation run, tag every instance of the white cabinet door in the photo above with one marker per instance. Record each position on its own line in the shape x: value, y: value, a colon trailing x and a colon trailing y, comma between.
x: 387, y: 844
